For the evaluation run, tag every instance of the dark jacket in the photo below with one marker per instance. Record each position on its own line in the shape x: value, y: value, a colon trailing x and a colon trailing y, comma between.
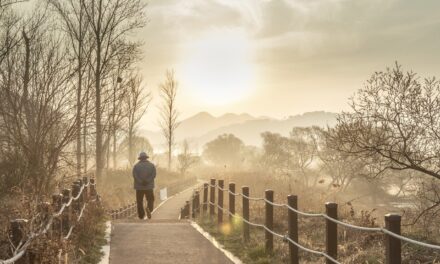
x: 144, y: 173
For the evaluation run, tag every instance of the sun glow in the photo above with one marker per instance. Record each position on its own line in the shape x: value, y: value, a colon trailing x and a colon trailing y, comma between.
x: 218, y: 68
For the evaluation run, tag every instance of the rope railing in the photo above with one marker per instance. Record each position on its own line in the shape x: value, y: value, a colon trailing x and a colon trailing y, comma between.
x: 284, y: 237
x: 360, y: 228
x: 392, y: 229
x: 80, y: 197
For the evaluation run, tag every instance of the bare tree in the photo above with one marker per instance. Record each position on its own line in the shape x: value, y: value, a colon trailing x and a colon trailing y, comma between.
x: 110, y: 21
x: 186, y: 158
x: 76, y: 26
x: 135, y: 104
x: 168, y: 112
x: 37, y: 113
x: 393, y: 126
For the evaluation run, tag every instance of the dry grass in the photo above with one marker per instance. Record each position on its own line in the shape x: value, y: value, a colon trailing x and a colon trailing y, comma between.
x: 354, y: 246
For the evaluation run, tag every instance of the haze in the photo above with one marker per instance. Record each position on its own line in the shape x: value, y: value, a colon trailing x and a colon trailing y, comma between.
x: 279, y: 58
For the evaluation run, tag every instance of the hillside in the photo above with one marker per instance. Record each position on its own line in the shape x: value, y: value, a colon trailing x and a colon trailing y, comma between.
x: 203, y: 127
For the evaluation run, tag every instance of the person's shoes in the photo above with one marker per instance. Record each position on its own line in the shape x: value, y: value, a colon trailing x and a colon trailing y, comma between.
x: 148, y: 213
x: 145, y: 218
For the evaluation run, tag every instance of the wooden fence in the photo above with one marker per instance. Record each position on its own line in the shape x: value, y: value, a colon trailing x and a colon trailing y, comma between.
x: 195, y: 207
x: 56, y: 219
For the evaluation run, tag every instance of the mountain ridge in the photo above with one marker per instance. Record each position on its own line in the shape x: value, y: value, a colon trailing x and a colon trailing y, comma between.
x: 204, y: 127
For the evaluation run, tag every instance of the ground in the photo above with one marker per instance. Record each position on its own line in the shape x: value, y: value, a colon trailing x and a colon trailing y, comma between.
x: 163, y: 239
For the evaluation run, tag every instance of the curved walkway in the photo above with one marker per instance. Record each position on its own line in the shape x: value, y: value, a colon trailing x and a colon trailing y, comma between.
x: 163, y: 239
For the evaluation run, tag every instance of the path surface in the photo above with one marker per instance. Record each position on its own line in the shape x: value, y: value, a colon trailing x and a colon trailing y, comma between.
x: 163, y: 239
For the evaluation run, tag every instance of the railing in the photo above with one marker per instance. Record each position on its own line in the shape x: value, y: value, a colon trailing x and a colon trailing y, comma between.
x: 391, y: 231
x: 57, y: 218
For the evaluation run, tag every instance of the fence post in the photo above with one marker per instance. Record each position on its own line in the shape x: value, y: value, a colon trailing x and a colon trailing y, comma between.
x: 56, y: 206
x: 205, y: 197
x: 17, y: 235
x: 292, y: 201
x: 231, y: 201
x: 193, y: 205
x: 66, y: 213
x: 392, y: 244
x: 75, y: 191
x: 331, y: 230
x: 92, y: 188
x: 245, y: 191
x: 220, y: 202
x: 212, y: 198
x: 187, y: 209
x: 134, y: 209
x: 121, y: 213
x: 86, y: 189
x: 197, y: 202
x: 269, y: 221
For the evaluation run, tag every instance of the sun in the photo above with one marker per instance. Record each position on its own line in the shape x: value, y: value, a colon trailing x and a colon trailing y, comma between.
x: 217, y: 68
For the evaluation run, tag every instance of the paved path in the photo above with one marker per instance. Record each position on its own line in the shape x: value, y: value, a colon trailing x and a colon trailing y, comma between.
x: 163, y: 239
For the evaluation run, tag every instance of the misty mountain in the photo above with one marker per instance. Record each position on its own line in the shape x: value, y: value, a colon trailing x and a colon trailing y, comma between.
x: 203, y: 127
x: 250, y: 131
x: 203, y: 122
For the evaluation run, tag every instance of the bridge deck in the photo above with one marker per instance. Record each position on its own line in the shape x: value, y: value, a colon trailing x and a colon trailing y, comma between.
x: 164, y: 239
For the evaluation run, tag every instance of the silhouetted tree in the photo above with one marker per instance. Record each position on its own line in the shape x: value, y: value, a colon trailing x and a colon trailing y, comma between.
x: 110, y: 22
x: 186, y: 158
x: 225, y: 150
x: 168, y: 112
x: 136, y: 103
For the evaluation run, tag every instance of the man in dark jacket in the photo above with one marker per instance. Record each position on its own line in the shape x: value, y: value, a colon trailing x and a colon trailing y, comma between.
x: 144, y: 173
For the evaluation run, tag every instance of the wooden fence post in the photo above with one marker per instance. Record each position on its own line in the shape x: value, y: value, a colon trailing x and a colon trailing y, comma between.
x: 86, y: 189
x: 231, y: 201
x: 220, y: 202
x: 81, y: 196
x: 245, y: 191
x: 187, y: 208
x: 393, y: 246
x: 197, y: 203
x: 193, y: 205
x: 212, y: 198
x: 205, y: 197
x: 17, y: 235
x: 269, y: 221
x: 331, y: 230
x: 135, y: 208
x: 126, y: 211
x: 75, y: 192
x: 121, y: 213
x: 92, y: 188
x: 66, y: 213
x: 292, y: 201
x: 56, y: 206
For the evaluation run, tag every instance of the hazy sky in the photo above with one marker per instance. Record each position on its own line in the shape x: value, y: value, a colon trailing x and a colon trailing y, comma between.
x: 284, y: 57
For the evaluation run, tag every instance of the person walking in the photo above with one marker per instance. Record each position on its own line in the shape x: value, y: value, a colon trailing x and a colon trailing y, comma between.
x: 144, y: 173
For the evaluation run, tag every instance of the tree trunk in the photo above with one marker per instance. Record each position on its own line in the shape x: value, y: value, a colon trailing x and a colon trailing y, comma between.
x: 78, y: 113
x: 98, y: 151
x: 86, y: 113
x: 130, y: 146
